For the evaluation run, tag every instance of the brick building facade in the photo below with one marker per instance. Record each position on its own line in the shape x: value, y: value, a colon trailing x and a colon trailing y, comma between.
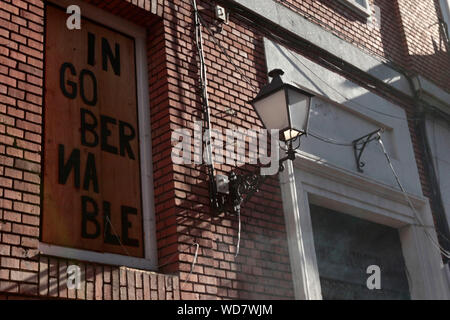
x: 401, y: 38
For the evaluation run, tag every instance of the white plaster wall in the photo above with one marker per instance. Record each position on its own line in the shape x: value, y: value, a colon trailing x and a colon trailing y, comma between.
x: 438, y: 132
x: 445, y: 7
x: 342, y: 110
x: 326, y: 174
x: 337, y: 189
x: 295, y: 23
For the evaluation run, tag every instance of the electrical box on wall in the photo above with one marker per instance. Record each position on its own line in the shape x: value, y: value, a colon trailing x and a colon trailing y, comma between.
x: 222, y: 183
x: 221, y: 14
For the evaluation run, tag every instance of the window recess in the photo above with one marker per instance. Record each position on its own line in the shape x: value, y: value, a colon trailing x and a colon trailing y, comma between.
x: 361, y: 7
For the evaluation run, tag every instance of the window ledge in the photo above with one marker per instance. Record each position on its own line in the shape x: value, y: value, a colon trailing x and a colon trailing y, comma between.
x: 362, y: 10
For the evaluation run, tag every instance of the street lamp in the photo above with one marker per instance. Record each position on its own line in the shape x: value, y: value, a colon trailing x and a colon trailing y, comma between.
x: 282, y: 106
x: 279, y: 106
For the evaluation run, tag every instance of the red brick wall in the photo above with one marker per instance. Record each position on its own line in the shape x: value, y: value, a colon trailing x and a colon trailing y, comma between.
x: 183, y: 216
x: 23, y: 271
x: 21, y: 80
x: 381, y: 36
x: 427, y: 52
x: 181, y: 196
x: 406, y: 33
x: 262, y: 268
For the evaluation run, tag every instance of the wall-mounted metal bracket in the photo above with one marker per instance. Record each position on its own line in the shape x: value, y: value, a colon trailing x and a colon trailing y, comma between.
x: 360, y: 144
x: 228, y: 192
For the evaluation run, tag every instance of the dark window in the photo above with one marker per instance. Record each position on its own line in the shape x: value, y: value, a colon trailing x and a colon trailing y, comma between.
x: 346, y: 246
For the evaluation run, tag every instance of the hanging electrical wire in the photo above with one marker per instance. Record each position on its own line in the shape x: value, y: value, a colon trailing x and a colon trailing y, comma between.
x: 205, y: 103
x: 283, y: 41
x: 224, y: 51
x: 203, y: 78
x: 347, y: 99
x: 238, y: 245
x: 192, y: 265
x: 116, y: 235
x: 435, y: 243
x: 169, y: 259
x: 200, y: 22
x: 330, y: 140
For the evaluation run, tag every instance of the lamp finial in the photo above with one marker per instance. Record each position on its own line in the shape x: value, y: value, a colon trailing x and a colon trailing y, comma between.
x: 276, y: 73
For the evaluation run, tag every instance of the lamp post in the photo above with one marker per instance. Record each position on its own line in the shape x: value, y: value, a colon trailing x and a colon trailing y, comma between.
x: 279, y: 106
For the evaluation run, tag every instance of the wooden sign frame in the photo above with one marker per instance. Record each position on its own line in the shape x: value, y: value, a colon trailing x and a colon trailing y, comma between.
x: 149, y: 256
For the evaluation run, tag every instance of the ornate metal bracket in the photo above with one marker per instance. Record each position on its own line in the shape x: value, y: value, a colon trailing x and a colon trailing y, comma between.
x: 229, y: 192
x: 360, y: 144
x: 241, y: 187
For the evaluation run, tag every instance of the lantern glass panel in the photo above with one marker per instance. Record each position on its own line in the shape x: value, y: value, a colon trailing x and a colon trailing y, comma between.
x: 272, y: 110
x: 298, y: 110
x: 290, y: 134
